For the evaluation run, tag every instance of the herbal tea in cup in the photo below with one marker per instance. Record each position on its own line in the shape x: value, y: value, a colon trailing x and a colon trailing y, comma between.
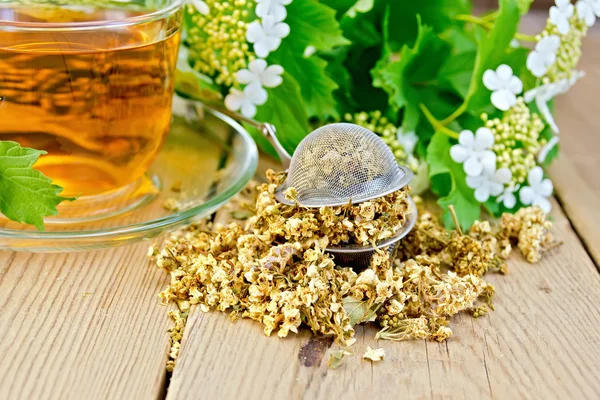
x: 91, y: 83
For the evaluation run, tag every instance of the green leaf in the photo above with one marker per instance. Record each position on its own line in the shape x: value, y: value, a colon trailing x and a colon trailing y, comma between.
x: 439, y: 14
x: 492, y: 48
x: 524, y: 6
x: 312, y: 24
x: 192, y: 84
x: 361, y: 30
x: 340, y: 6
x: 416, y: 67
x: 358, y: 310
x: 285, y: 110
x: 336, y: 358
x: 26, y: 195
x: 360, y: 7
x: 337, y: 70
x: 261, y: 141
x: 316, y: 87
x: 456, y: 73
x: 411, y: 78
x: 443, y: 170
x: 460, y: 39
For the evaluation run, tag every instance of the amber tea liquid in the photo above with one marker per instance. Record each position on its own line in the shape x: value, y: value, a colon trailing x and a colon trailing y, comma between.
x: 98, y: 101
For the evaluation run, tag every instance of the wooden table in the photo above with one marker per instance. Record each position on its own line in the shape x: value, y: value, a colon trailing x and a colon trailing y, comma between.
x: 89, y: 325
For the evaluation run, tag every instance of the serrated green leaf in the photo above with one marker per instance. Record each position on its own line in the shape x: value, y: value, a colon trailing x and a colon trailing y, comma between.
x: 438, y: 14
x: 313, y: 24
x: 441, y: 165
x: 415, y: 68
x: 322, y: 32
x: 460, y: 39
x: 362, y: 30
x: 340, y: 6
x: 316, y: 87
x: 26, y: 195
x: 285, y: 110
x: 456, y: 73
x: 337, y: 71
x: 358, y: 311
x: 492, y: 48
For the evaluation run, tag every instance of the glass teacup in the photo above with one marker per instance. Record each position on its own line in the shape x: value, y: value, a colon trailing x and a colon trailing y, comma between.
x: 90, y: 82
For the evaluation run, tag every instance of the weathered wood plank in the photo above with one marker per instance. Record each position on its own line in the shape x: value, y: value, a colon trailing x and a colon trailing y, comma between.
x: 541, y: 342
x: 575, y: 174
x: 86, y: 325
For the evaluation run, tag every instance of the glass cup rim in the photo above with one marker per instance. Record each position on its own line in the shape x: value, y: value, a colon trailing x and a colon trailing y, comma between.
x: 160, y: 13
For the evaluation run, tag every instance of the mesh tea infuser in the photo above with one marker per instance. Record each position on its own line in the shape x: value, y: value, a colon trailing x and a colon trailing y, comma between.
x: 338, y: 164
x: 341, y: 163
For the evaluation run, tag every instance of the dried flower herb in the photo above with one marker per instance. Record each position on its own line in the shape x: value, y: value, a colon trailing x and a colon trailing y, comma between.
x: 275, y: 270
x: 374, y: 354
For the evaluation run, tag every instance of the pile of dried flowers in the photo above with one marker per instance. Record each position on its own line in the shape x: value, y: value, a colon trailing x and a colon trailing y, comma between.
x: 275, y: 270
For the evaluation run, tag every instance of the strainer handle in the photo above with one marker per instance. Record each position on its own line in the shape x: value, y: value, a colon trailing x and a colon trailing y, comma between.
x: 268, y: 131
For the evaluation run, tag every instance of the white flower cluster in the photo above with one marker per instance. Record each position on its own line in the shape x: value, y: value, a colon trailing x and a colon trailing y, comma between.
x: 266, y: 35
x: 544, y: 56
x: 474, y: 151
x: 479, y: 163
x: 504, y: 86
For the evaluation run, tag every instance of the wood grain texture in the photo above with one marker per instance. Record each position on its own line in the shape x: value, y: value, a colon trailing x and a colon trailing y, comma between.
x: 541, y: 342
x: 575, y: 174
x: 86, y: 325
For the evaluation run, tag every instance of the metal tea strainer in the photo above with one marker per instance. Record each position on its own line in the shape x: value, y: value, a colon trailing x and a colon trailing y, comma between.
x: 337, y: 164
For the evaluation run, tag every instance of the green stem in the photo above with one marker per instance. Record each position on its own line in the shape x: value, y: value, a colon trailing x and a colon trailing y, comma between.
x: 526, y: 38
x: 457, y: 113
x: 436, y: 124
x: 491, y: 16
x: 488, y: 25
x: 474, y: 19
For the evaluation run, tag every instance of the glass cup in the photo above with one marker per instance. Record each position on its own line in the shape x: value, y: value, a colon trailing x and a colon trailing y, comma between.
x: 91, y: 83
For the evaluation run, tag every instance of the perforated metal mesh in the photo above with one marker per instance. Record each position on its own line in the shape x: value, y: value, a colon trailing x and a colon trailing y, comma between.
x: 338, y: 163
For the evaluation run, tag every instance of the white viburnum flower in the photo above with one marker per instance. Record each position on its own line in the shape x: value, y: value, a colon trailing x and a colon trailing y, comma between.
x: 266, y: 36
x: 560, y: 14
x: 588, y: 10
x: 253, y: 95
x: 259, y: 73
x: 504, y: 86
x: 474, y: 150
x: 490, y: 183
x: 276, y: 8
x: 544, y: 93
x: 543, y: 56
x: 538, y: 191
x: 508, y: 197
x: 200, y: 6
